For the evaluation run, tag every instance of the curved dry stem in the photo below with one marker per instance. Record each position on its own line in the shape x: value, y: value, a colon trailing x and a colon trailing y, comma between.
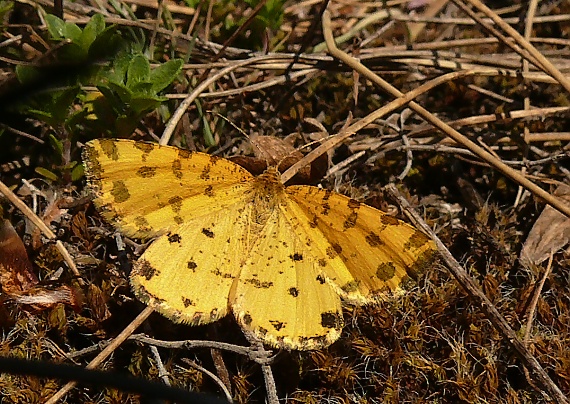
x: 43, y: 227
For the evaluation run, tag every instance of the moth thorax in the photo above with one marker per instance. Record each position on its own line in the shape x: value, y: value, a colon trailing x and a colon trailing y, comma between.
x: 268, y: 193
x: 269, y: 183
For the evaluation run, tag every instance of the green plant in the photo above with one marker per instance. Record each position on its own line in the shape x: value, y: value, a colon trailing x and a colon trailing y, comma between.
x: 127, y: 88
x: 132, y: 89
x: 231, y: 15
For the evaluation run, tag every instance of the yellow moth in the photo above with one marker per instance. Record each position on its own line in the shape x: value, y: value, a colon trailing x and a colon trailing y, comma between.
x: 279, y: 258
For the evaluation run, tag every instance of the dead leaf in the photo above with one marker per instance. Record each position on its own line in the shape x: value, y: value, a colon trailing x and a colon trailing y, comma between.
x: 274, y: 150
x: 550, y: 232
x: 98, y: 303
x: 19, y: 283
x: 15, y: 267
x: 41, y: 298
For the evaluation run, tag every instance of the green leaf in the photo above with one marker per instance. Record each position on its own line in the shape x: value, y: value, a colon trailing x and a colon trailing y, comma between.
x: 77, y: 172
x: 164, y: 75
x: 120, y: 90
x: 125, y: 125
x: 208, y: 136
x: 26, y: 74
x: 107, y: 43
x: 46, y: 173
x: 144, y: 104
x: 139, y: 71
x: 56, y: 144
x: 72, y: 32
x: 61, y: 107
x: 52, y: 108
x: 207, y: 132
x: 118, y: 72
x: 73, y: 52
x: 76, y: 118
x: 55, y: 26
x: 192, y: 3
x: 110, y: 96
x: 94, y: 27
x: 5, y: 8
x: 142, y: 89
x: 41, y: 115
x: 59, y: 30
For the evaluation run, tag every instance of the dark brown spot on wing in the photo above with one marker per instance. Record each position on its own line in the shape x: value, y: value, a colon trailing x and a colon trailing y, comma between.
x: 209, y: 191
x: 278, y: 325
x: 331, y: 319
x: 247, y: 319
x: 187, y: 302
x: 208, y: 233
x: 353, y: 204
x: 350, y: 287
x: 205, y: 175
x: 215, y: 159
x: 120, y: 191
x: 177, y: 168
x: 373, y: 240
x: 144, y: 269
x: 192, y: 265
x: 388, y: 220
x: 416, y: 240
x: 334, y: 250
x: 294, y: 292
x: 145, y: 147
x: 109, y: 147
x: 91, y: 151
x: 262, y: 331
x: 146, y: 172
x: 314, y: 221
x: 183, y: 154
x: 258, y: 284
x: 422, y: 263
x: 92, y: 163
x: 175, y: 203
x: 296, y: 257
x: 174, y: 238
x: 151, y: 296
x: 214, y: 315
x: 386, y: 271
x: 141, y: 222
x: 226, y: 275
x: 350, y: 221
